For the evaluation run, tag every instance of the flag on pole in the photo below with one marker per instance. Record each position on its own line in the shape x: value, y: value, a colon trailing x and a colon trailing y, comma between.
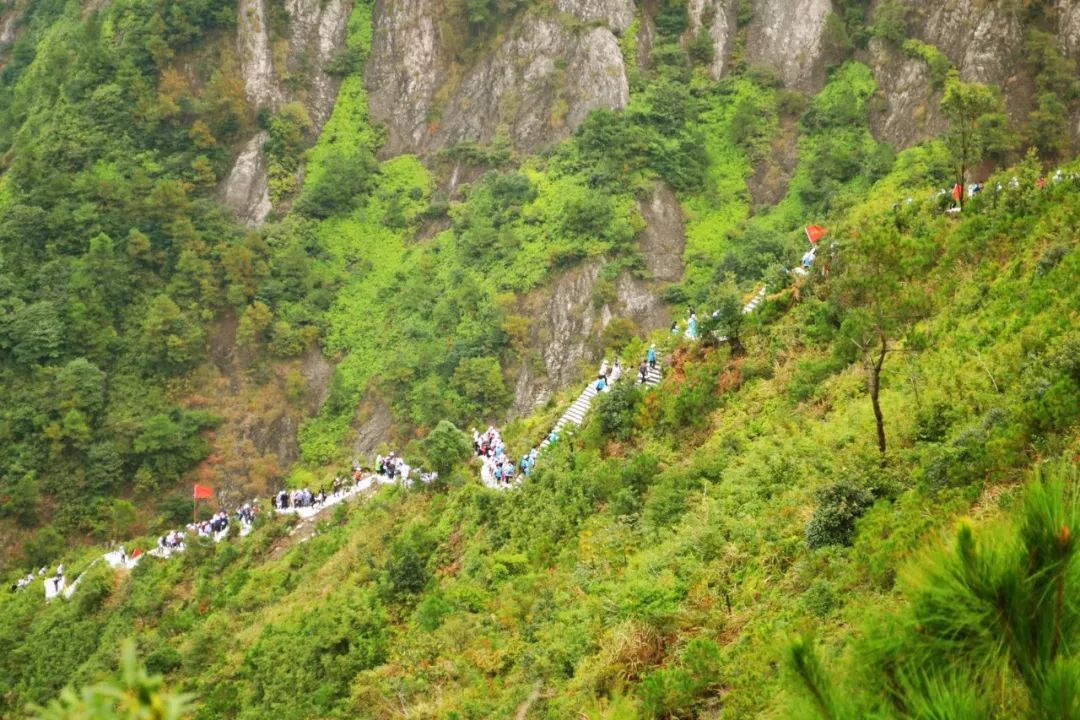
x: 202, y: 492
x: 815, y: 233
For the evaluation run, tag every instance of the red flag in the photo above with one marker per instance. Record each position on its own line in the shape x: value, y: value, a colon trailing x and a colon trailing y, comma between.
x: 202, y: 492
x: 957, y: 192
x: 136, y: 554
x: 815, y: 233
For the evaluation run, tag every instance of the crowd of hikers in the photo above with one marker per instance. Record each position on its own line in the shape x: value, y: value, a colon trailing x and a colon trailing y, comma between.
x: 57, y: 578
x: 489, y: 446
x: 214, y: 527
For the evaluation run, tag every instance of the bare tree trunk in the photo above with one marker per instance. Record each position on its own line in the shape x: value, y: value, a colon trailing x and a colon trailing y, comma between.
x: 875, y: 391
x: 737, y: 348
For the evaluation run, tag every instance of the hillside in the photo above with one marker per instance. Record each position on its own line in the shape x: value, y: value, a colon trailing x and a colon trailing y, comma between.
x: 249, y: 245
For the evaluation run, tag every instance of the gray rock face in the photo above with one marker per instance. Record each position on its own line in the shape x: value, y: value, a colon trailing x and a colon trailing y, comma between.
x: 664, y: 239
x: 7, y: 28
x: 1069, y: 26
x: 788, y: 35
x: 407, y: 67
x: 566, y: 324
x: 538, y: 85
x: 911, y: 115
x: 720, y: 15
x: 253, y: 47
x: 982, y: 38
x: 616, y: 14
x: 317, y: 33
x: 646, y: 35
x: 568, y: 317
x: 247, y: 190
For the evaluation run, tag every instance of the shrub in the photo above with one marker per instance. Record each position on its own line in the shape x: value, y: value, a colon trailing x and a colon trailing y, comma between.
x: 163, y: 660
x: 618, y: 409
x: 337, y: 190
x: 890, y: 22
x: 701, y: 48
x: 840, y: 505
x: 445, y: 447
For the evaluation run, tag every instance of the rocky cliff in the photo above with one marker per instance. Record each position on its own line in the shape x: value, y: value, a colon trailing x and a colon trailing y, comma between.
x: 536, y: 81
x: 294, y: 70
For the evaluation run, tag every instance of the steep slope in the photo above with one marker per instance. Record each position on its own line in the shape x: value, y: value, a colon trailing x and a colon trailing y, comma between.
x: 475, y: 202
x: 660, y: 558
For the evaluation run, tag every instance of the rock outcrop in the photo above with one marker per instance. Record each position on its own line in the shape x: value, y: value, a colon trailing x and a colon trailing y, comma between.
x: 1069, y: 33
x: 566, y: 324
x: 1068, y: 12
x: 7, y: 28
x: 617, y: 15
x: 984, y: 40
x: 664, y: 238
x: 537, y: 85
x: 718, y: 18
x: 788, y: 35
x: 247, y: 190
x: 253, y: 48
x: 646, y: 34
x: 408, y: 65
x: 910, y: 114
x: 317, y: 33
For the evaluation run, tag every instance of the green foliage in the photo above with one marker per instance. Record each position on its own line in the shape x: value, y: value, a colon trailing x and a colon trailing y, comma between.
x: 937, y: 63
x: 891, y: 22
x: 345, y: 179
x: 135, y: 695
x: 840, y: 505
x: 617, y: 410
x: 972, y: 110
x: 642, y: 577
x: 446, y: 446
x: 989, y: 627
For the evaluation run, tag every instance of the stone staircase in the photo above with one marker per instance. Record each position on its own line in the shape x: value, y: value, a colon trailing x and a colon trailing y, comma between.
x: 755, y: 302
x: 577, y: 411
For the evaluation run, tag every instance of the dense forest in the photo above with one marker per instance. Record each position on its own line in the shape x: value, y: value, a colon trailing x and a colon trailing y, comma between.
x: 858, y: 501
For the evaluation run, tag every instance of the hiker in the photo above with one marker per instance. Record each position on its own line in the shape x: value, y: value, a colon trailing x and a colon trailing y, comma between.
x: 691, y: 326
x: 652, y: 356
x: 674, y: 327
x: 616, y: 371
x: 603, y: 369
x: 643, y: 372
x: 601, y: 384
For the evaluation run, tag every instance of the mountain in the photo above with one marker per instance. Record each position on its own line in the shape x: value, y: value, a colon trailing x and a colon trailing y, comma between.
x: 242, y: 245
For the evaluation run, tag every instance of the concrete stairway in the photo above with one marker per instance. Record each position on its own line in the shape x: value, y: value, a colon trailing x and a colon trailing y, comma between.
x: 755, y: 302
x: 576, y: 412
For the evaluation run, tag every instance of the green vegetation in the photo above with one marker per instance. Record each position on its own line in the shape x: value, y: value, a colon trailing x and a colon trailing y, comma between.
x: 663, y: 557
x: 659, y: 557
x: 988, y: 630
